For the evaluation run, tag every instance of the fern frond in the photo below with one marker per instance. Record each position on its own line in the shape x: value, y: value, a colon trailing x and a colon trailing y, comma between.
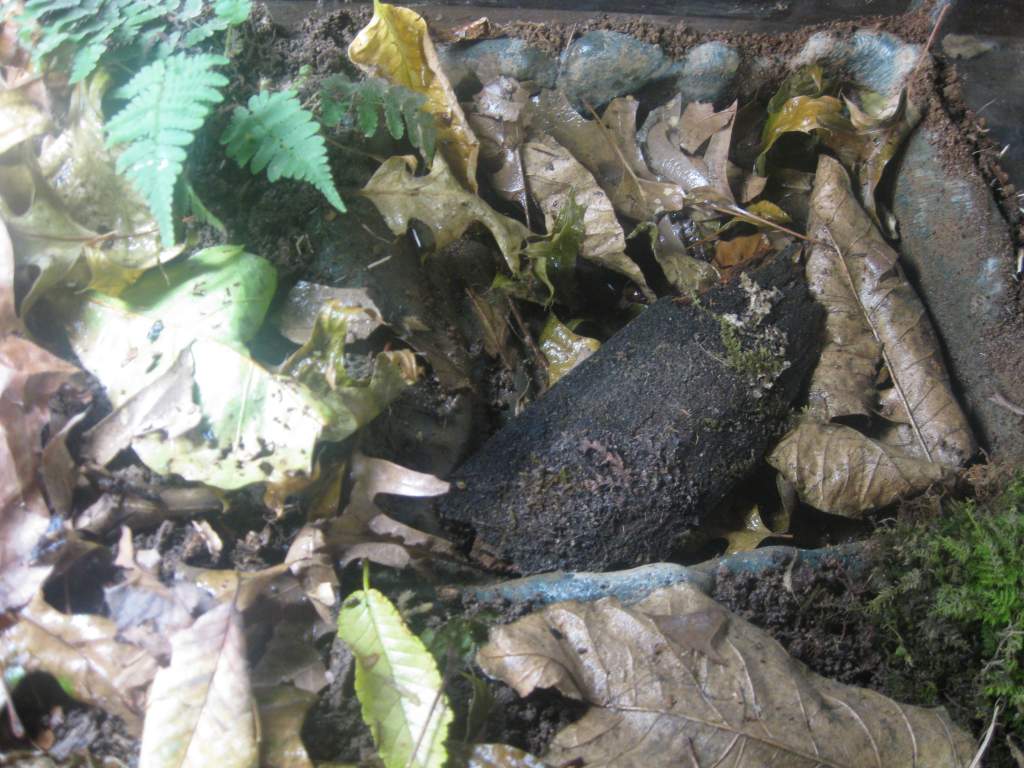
x: 78, y: 33
x: 367, y: 99
x: 276, y: 133
x: 168, y: 101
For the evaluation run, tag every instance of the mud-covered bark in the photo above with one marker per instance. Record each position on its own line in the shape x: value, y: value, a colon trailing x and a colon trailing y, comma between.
x: 642, y: 441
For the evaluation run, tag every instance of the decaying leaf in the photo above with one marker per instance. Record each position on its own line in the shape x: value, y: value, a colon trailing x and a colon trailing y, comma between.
x: 609, y: 151
x: 895, y: 315
x: 669, y: 162
x: 395, y: 45
x: 305, y: 300
x: 750, y: 535
x: 804, y: 114
x: 563, y: 349
x: 498, y: 117
x: 837, y: 469
x: 399, y: 687
x: 554, y: 177
x: 687, y: 274
x: 200, y: 710
x: 676, y: 680
x: 86, y: 656
x: 291, y: 659
x: 363, y: 531
x: 441, y: 203
x: 716, y: 156
x: 732, y: 256
x: 29, y: 377
x: 282, y: 710
x: 699, y: 122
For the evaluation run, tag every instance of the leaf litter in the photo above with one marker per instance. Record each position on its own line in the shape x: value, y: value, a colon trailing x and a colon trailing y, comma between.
x: 175, y: 345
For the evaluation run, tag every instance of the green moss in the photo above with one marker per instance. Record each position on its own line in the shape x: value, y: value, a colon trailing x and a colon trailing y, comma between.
x: 757, y: 361
x: 951, y: 603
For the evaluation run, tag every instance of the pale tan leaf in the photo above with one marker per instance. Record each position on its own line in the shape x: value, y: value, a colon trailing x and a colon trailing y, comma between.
x: 282, y: 710
x: 676, y: 680
x: 200, y: 711
x: 303, y: 304
x: 896, y: 317
x: 396, y: 45
x: 837, y: 469
x: 554, y: 176
x: 716, y: 156
x: 439, y: 202
x: 85, y: 653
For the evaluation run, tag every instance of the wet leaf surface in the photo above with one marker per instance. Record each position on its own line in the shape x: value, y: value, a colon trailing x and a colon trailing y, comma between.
x: 659, y: 695
x: 563, y: 349
x: 305, y: 301
x: 498, y: 117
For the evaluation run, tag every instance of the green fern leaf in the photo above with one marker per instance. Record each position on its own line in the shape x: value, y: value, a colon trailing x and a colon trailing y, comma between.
x: 367, y: 99
x: 226, y: 13
x: 277, y: 134
x: 168, y: 101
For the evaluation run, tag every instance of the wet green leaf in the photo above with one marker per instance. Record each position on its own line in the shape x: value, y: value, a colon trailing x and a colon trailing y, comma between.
x: 805, y: 114
x: 397, y: 681
x: 563, y: 349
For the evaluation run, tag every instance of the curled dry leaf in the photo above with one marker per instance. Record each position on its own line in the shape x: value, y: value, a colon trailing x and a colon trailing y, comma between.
x: 837, y: 469
x: 563, y: 349
x: 716, y: 156
x: 200, y: 708
x: 395, y: 45
x: 363, y: 531
x: 895, y: 315
x: 498, y: 117
x: 85, y: 653
x: 399, y: 687
x: 305, y: 300
x: 441, y: 203
x: 309, y: 560
x: 282, y: 710
x: 609, y: 150
x: 676, y: 680
x: 699, y: 122
x: 554, y: 178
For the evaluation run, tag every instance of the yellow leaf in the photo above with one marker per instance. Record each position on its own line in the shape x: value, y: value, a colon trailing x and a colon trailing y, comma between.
x: 750, y: 536
x: 395, y: 45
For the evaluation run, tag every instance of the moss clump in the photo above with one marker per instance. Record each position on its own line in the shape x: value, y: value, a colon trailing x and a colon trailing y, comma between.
x: 760, y: 361
x: 952, y: 603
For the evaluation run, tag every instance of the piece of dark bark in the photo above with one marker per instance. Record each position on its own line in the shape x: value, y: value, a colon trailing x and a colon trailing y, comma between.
x: 644, y: 439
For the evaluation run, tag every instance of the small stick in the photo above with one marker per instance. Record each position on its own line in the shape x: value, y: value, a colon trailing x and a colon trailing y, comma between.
x: 976, y: 762
x: 931, y: 39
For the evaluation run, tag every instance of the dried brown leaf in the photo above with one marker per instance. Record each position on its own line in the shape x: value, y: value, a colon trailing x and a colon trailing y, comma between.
x: 837, y: 469
x: 609, y: 152
x: 895, y: 315
x: 86, y: 654
x: 291, y: 658
x: 732, y: 256
x: 364, y: 531
x: 669, y: 162
x: 309, y: 560
x: 554, y: 177
x: 716, y: 156
x: 498, y: 117
x: 700, y: 122
x: 660, y: 696
x: 200, y: 709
